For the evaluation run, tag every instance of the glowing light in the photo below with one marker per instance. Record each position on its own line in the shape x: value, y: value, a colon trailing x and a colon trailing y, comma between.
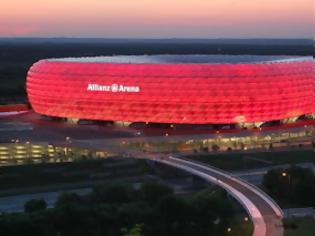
x: 255, y: 85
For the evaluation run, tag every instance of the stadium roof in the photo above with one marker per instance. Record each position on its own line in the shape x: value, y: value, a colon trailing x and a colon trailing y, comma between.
x: 185, y: 59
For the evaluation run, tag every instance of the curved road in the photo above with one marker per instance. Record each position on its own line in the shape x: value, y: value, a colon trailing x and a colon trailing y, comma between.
x: 264, y: 212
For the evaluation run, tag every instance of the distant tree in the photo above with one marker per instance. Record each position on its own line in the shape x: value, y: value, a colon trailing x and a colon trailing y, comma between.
x: 152, y: 192
x: 211, y: 204
x: 133, y: 212
x: 68, y: 198
x: 174, y: 216
x: 113, y: 193
x: 35, y: 205
x: 75, y: 219
x: 116, y: 210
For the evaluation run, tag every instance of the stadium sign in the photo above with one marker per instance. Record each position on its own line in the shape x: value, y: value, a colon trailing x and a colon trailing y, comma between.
x: 113, y: 88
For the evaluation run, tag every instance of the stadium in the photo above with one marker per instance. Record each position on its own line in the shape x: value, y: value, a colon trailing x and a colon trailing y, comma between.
x: 175, y: 89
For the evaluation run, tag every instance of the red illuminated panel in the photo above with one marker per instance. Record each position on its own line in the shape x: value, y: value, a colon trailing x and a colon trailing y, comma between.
x: 172, y: 93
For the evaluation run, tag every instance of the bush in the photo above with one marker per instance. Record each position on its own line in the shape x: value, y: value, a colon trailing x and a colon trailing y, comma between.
x: 68, y: 198
x: 113, y: 193
x: 35, y: 205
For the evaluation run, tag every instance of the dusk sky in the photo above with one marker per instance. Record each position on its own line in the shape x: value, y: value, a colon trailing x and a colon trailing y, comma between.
x: 157, y: 18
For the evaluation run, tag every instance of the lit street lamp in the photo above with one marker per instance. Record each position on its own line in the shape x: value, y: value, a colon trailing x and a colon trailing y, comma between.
x: 284, y: 175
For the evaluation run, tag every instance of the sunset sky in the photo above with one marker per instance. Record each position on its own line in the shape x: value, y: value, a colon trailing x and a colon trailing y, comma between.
x: 157, y: 18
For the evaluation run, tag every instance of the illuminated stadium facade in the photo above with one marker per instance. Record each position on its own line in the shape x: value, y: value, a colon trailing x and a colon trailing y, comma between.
x: 177, y: 89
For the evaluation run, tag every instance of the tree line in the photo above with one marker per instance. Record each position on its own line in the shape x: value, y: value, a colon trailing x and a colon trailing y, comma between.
x: 120, y: 209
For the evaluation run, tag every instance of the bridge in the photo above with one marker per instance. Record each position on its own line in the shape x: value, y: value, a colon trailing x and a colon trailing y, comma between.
x: 265, y: 214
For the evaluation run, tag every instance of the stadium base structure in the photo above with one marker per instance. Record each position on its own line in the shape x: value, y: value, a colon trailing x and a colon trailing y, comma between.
x: 175, y: 89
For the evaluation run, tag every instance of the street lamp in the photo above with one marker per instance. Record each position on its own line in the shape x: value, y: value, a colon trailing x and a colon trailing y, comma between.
x: 284, y: 175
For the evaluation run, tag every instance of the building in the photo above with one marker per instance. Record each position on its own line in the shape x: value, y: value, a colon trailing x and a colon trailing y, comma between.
x: 180, y: 89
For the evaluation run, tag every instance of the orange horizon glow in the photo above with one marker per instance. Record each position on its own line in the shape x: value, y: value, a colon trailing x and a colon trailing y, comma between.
x: 157, y: 18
